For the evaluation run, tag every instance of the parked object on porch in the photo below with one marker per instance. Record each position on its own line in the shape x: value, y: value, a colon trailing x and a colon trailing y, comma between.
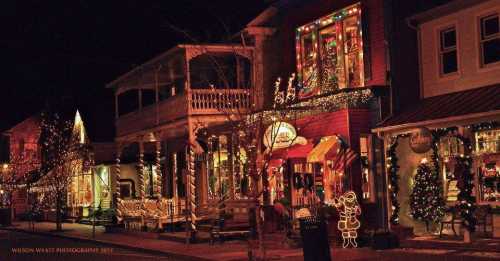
x: 155, y: 213
x: 233, y: 220
x: 348, y: 224
x: 314, y: 235
x: 130, y: 212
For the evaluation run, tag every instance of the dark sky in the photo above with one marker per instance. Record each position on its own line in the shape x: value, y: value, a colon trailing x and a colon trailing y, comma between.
x: 71, y: 48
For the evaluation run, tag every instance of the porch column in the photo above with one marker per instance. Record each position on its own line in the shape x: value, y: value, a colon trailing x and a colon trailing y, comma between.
x: 141, y: 170
x: 117, y: 176
x: 158, y: 169
x: 230, y: 158
x: 191, y: 180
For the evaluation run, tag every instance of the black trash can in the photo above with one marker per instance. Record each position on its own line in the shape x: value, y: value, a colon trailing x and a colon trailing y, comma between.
x: 5, y: 217
x: 314, y: 235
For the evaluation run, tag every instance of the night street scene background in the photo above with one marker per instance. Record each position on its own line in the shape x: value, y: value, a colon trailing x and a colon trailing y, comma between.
x: 250, y: 130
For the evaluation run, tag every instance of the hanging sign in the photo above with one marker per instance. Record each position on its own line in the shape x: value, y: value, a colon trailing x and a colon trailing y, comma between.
x: 281, y: 135
x: 421, y: 140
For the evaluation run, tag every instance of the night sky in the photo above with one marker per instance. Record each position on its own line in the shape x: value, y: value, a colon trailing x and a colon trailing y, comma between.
x: 70, y: 49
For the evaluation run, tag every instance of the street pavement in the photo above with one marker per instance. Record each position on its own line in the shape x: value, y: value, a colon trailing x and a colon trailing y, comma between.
x: 25, y: 246
x: 77, y: 243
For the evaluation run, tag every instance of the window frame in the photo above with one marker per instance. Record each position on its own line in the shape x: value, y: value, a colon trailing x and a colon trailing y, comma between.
x: 335, y: 18
x: 445, y: 50
x: 371, y: 172
x: 481, y: 40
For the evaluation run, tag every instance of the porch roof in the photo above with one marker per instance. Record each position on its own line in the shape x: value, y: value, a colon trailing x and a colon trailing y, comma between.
x: 479, y: 103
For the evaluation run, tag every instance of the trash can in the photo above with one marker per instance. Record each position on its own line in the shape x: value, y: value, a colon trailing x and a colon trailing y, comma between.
x: 314, y: 239
x: 5, y: 216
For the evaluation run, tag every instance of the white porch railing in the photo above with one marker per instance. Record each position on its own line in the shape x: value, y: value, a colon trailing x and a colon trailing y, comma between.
x: 219, y: 100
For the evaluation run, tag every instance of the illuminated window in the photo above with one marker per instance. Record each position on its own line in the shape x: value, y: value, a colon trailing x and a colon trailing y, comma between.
x: 448, y: 51
x: 490, y: 39
x: 366, y: 173
x: 330, y: 53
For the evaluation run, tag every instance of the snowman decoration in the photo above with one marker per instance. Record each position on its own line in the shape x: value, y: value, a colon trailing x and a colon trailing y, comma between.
x: 348, y: 224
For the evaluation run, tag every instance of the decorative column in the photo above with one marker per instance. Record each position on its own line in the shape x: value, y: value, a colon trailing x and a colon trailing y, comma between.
x: 117, y: 176
x: 141, y: 170
x: 158, y: 169
x: 191, y: 179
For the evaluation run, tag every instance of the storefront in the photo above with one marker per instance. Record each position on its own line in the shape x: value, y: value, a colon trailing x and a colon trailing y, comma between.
x: 464, y: 149
x: 305, y: 171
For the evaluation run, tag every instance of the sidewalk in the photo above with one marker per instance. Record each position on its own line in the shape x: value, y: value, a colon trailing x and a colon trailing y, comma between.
x: 229, y: 250
x: 485, y: 244
x: 420, y: 248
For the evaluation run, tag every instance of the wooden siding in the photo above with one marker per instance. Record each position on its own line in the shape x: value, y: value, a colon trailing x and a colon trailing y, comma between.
x: 470, y: 74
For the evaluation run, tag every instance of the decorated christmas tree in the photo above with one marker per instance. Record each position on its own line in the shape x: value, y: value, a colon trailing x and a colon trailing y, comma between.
x: 426, y: 199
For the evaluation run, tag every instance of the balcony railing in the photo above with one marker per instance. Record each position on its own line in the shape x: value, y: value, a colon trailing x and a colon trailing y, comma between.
x: 205, y: 101
x: 194, y: 102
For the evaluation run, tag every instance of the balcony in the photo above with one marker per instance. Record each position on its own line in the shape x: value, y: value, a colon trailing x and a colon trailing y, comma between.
x: 197, y: 102
x: 175, y: 85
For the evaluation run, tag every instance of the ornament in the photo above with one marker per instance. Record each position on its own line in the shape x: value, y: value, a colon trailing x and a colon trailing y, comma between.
x: 348, y: 224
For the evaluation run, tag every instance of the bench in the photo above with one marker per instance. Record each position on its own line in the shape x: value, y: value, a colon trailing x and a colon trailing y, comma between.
x: 131, y: 213
x: 453, y: 218
x: 155, y: 213
x: 233, y: 220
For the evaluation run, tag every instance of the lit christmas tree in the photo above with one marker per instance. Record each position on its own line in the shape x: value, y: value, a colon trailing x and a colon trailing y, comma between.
x: 426, y: 199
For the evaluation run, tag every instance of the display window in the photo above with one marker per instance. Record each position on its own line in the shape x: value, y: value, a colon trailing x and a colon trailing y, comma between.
x: 487, y: 152
x: 330, y: 53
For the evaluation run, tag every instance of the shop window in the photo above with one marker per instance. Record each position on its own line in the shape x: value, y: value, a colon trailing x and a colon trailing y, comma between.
x: 490, y: 39
x: 330, y: 53
x: 448, y: 51
x: 489, y: 181
x: 487, y: 141
x: 220, y: 167
x: 149, y: 179
x: 450, y: 146
x: 366, y: 173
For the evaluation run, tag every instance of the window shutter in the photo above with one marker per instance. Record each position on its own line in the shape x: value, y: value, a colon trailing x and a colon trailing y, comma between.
x: 366, y: 45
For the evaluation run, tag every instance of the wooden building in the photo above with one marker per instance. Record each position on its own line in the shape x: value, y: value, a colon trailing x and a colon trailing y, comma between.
x: 459, y: 74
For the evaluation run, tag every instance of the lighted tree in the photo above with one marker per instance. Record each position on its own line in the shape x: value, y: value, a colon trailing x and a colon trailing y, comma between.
x: 19, y: 173
x: 63, y: 156
x: 426, y: 199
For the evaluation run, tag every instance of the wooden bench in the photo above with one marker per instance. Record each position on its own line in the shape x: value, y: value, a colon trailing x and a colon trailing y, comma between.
x: 131, y: 213
x: 481, y: 214
x: 233, y: 220
x: 155, y: 213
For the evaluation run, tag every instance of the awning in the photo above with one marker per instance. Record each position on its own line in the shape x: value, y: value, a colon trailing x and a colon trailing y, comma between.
x: 471, y: 104
x: 294, y: 152
x: 328, y: 147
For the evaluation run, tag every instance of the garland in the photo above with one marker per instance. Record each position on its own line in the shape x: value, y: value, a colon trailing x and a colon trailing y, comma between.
x: 393, y: 168
x: 466, y: 202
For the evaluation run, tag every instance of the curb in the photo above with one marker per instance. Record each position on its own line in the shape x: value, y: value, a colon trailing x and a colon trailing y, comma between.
x: 112, y: 244
x: 447, y: 246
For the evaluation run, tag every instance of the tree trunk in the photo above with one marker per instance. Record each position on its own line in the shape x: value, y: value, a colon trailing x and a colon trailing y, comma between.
x: 467, y: 236
x: 58, y: 212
